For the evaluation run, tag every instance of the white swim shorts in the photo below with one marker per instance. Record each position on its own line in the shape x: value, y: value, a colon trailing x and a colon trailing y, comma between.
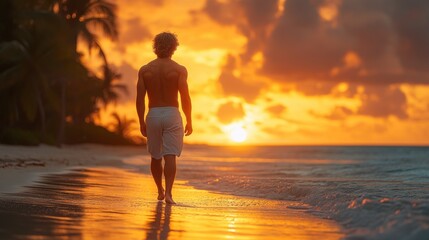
x: 164, y: 129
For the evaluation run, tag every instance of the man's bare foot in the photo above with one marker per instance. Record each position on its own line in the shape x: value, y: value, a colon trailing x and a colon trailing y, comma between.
x: 169, y: 199
x: 161, y: 195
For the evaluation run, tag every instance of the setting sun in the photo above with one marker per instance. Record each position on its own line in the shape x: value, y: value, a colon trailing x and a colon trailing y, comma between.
x: 237, y: 134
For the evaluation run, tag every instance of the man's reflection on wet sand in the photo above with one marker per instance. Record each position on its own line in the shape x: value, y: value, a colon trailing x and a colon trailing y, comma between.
x: 159, y: 227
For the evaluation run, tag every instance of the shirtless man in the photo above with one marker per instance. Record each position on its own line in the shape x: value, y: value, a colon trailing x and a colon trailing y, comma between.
x: 162, y: 79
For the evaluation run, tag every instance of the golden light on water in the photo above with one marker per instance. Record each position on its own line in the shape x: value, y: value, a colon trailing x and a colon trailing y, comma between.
x: 130, y: 202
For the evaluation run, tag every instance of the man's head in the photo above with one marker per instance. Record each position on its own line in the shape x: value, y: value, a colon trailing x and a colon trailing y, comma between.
x: 164, y: 44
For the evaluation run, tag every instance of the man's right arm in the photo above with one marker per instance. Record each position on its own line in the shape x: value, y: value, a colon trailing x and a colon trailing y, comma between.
x: 185, y: 100
x: 140, y: 101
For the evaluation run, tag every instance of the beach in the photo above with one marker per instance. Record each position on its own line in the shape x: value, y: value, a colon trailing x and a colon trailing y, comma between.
x: 223, y: 192
x: 94, y: 191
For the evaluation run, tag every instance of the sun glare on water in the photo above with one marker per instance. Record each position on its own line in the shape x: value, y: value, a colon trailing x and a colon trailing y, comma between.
x: 237, y: 134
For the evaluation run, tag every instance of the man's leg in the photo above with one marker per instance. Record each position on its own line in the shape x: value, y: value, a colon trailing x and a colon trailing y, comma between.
x: 170, y: 174
x: 156, y: 169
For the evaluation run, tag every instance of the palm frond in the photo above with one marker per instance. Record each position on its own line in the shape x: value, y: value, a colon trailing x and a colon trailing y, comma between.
x: 100, y: 51
x: 106, y: 24
x: 121, y: 87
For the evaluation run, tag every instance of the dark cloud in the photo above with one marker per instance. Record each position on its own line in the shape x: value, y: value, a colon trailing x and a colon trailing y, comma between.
x: 259, y: 18
x: 134, y: 31
x: 232, y: 85
x: 411, y: 21
x: 223, y: 13
x: 370, y: 43
x: 337, y: 113
x: 315, y: 88
x: 230, y: 111
x: 301, y: 47
x: 390, y: 39
x: 379, y: 101
x: 252, y: 18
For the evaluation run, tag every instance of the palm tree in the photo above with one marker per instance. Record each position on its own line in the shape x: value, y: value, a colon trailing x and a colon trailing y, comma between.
x: 123, y: 126
x: 39, y: 62
x: 84, y: 15
x: 26, y: 64
x: 109, y: 85
x: 7, y: 24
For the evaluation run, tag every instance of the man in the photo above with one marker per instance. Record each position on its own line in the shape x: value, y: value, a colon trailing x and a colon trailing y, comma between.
x: 163, y: 79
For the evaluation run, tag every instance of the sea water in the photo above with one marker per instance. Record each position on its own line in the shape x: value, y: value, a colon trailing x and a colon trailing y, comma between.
x: 372, y: 192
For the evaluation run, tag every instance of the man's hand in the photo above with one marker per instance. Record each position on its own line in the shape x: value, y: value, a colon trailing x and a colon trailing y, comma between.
x: 188, y: 129
x: 143, y: 129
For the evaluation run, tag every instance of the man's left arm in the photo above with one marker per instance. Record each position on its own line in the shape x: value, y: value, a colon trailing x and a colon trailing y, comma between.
x: 186, y: 100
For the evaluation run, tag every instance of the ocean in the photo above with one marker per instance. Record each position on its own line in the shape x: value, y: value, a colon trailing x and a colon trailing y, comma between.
x: 373, y: 192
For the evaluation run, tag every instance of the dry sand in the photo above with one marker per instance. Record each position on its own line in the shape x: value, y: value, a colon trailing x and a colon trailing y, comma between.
x: 86, y: 192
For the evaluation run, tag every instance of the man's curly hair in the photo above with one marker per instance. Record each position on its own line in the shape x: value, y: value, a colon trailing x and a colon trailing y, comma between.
x: 164, y: 44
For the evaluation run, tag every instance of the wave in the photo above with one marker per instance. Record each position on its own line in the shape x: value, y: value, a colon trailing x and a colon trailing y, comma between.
x: 381, y: 195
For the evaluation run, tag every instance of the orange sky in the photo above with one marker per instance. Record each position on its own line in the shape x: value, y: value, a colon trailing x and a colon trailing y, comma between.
x: 288, y: 72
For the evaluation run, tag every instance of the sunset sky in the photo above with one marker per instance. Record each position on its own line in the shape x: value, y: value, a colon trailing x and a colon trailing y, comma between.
x: 288, y: 72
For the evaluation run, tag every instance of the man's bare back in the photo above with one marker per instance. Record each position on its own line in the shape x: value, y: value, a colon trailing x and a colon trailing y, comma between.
x: 161, y: 78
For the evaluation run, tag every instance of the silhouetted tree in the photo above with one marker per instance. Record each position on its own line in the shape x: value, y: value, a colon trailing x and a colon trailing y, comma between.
x: 110, y: 85
x: 123, y: 126
x: 43, y: 81
x: 84, y: 16
x: 26, y: 64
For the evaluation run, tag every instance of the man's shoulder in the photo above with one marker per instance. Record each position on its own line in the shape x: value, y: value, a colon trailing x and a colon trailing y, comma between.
x: 172, y: 64
x: 143, y: 68
x: 178, y: 66
x: 148, y: 65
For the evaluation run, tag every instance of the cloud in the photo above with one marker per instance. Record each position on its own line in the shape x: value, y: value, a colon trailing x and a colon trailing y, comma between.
x: 229, y: 112
x: 253, y: 18
x: 236, y: 86
x: 314, y: 40
x: 376, y: 101
x: 315, y: 45
x: 337, y: 113
x: 371, y: 42
x: 379, y: 101
x: 315, y: 88
x: 302, y: 46
x: 411, y: 21
x: 221, y: 12
x: 276, y: 110
x: 129, y: 79
x: 134, y: 31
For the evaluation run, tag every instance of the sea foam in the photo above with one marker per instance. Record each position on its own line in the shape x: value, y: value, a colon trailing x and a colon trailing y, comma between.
x: 373, y: 192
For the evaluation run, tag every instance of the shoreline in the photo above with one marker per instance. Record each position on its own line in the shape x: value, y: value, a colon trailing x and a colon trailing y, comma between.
x: 91, y: 197
x: 67, y: 170
x: 22, y: 165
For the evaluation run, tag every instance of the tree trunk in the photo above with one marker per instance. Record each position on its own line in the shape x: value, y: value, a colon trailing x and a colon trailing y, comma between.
x: 41, y: 113
x: 60, y: 139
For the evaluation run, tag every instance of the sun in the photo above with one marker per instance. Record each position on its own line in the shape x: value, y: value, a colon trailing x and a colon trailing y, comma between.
x: 237, y: 134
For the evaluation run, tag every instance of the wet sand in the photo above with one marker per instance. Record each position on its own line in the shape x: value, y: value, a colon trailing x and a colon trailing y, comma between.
x: 115, y: 203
